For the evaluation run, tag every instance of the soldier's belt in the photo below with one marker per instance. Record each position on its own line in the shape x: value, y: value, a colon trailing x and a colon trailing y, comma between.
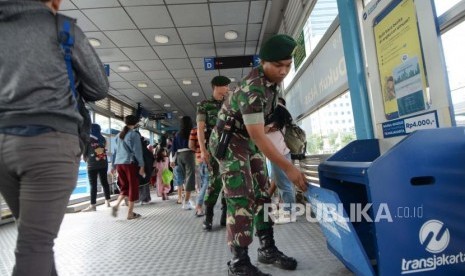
x: 238, y: 127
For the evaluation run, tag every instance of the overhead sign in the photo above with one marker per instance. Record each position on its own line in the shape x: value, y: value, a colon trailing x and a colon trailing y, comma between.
x: 215, y: 63
x: 158, y: 116
x: 107, y: 69
x: 209, y: 63
x: 299, y: 52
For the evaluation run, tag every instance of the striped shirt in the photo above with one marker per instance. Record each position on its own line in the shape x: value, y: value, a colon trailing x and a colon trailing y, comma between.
x: 193, y: 137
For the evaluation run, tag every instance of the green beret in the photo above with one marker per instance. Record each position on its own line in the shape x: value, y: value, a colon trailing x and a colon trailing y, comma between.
x: 278, y: 47
x: 220, y: 81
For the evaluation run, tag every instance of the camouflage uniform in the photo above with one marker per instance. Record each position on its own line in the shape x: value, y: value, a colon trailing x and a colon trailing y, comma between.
x: 243, y: 169
x: 207, y: 111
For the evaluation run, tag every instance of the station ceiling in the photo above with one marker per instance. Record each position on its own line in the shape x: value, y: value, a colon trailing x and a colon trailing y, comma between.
x: 126, y: 31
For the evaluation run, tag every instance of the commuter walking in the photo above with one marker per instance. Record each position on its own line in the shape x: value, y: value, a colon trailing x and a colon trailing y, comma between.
x: 144, y: 181
x: 275, y: 132
x: 97, y: 166
x: 207, y: 114
x: 161, y: 164
x: 201, y: 171
x: 184, y: 158
x: 39, y: 144
x: 128, y: 161
x: 239, y: 142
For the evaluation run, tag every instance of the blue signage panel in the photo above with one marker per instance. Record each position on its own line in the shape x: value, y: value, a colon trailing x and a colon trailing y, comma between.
x: 209, y: 63
x: 107, y: 69
x: 410, y: 124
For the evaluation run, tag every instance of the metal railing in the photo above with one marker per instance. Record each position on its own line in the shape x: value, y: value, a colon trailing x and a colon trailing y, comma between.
x: 309, y: 166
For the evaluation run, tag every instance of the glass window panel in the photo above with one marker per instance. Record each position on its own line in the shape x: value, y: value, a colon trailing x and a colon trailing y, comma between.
x: 444, y: 5
x: 104, y: 123
x: 144, y: 132
x: 452, y: 42
x: 323, y: 14
x: 324, y: 135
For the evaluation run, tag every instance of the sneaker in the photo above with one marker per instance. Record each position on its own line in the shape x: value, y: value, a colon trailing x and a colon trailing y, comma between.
x: 187, y: 205
x: 107, y: 203
x: 90, y: 208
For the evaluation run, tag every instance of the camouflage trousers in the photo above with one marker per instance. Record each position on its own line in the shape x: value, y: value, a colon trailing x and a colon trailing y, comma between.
x: 245, y: 184
x: 215, y: 184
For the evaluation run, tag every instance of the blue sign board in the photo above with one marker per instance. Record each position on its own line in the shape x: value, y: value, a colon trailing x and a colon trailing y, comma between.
x: 256, y: 60
x: 209, y: 63
x: 410, y: 124
x: 107, y: 69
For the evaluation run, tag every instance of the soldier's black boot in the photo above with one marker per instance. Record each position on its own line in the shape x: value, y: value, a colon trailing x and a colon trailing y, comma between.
x: 207, y: 223
x: 223, y: 212
x: 268, y: 253
x: 241, y: 265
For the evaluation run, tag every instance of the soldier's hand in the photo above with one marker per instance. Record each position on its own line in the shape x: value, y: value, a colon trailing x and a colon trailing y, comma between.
x: 298, y: 178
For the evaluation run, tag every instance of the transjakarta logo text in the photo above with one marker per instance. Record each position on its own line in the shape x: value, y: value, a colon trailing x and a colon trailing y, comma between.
x: 435, y: 237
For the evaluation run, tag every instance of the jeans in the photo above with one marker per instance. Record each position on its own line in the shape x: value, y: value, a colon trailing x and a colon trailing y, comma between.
x: 204, y: 174
x: 285, y: 186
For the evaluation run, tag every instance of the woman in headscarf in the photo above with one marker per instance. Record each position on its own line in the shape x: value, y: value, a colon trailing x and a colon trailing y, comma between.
x: 97, y: 165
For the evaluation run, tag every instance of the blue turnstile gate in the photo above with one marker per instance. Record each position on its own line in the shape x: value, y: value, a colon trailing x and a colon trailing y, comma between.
x: 401, y: 212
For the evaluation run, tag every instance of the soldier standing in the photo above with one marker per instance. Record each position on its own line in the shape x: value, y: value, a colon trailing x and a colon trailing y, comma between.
x: 207, y: 114
x: 239, y: 143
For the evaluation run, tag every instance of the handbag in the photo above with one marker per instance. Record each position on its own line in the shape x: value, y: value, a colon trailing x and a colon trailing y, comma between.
x: 166, y: 176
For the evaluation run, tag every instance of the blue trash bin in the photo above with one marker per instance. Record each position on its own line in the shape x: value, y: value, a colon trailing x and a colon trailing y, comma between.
x: 398, y: 212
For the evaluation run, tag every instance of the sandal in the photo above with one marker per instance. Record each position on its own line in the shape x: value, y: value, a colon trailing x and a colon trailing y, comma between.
x: 199, y: 213
x: 114, y: 211
x: 134, y: 216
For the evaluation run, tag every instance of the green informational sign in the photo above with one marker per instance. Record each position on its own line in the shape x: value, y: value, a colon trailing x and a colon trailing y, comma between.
x: 299, y: 52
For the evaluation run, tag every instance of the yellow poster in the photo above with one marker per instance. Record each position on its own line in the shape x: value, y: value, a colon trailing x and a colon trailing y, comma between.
x: 400, y: 60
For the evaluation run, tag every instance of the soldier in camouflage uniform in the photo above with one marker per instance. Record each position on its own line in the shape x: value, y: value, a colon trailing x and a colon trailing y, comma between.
x: 207, y: 114
x: 243, y: 168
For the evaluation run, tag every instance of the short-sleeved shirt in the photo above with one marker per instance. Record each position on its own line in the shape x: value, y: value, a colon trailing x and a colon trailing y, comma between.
x: 207, y: 111
x: 252, y: 101
x: 193, y: 137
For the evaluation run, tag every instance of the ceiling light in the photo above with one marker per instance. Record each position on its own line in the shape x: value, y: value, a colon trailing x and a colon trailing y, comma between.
x: 230, y: 35
x: 166, y: 105
x: 142, y: 85
x: 232, y: 79
x: 186, y: 82
x: 180, y: 117
x: 195, y: 94
x: 162, y: 39
x: 156, y: 96
x: 94, y: 42
x: 175, y: 111
x: 124, y: 67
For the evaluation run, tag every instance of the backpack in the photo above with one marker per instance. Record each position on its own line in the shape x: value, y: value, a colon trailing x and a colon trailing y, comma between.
x: 296, y: 141
x: 65, y: 27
